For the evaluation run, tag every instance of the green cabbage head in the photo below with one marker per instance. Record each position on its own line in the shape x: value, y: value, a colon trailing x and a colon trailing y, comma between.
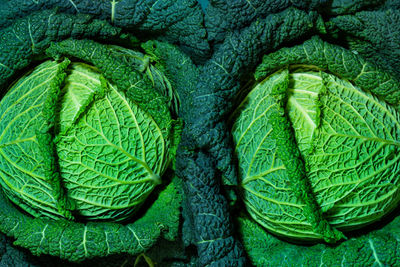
x: 88, y: 136
x: 72, y: 142
x: 318, y: 143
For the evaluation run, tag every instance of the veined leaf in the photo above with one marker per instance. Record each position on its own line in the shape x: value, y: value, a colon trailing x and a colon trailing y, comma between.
x: 355, y: 163
x: 266, y: 187
x: 112, y: 158
x: 22, y: 169
x: 80, y: 87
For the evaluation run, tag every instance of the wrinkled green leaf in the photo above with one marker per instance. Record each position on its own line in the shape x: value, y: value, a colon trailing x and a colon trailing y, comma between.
x: 112, y: 158
x: 22, y: 166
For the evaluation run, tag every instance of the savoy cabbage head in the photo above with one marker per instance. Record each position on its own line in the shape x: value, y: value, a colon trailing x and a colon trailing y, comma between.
x: 345, y: 139
x: 89, y: 130
x: 311, y: 172
x: 57, y: 118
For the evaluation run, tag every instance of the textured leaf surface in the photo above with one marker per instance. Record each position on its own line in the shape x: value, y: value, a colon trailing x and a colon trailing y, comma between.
x: 80, y: 87
x: 30, y: 36
x: 21, y: 163
x: 26, y: 39
x: 78, y: 241
x: 137, y: 86
x: 355, y: 163
x: 349, y: 140
x: 375, y: 35
x: 264, y: 179
x: 336, y: 60
x: 178, y: 21
x: 112, y: 157
x: 204, y: 111
x: 378, y: 248
x: 303, y: 106
x: 155, y: 71
x: 111, y: 153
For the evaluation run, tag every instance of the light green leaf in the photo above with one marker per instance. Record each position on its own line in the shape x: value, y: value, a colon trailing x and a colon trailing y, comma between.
x: 21, y: 163
x: 112, y: 158
x: 111, y: 153
x: 80, y: 87
x: 355, y: 165
x: 303, y: 106
x: 266, y: 190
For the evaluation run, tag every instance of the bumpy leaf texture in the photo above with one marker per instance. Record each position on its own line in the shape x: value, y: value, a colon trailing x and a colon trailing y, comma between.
x: 241, y: 36
x: 24, y: 41
x: 375, y: 35
x: 178, y: 22
x: 225, y: 16
x: 352, y: 162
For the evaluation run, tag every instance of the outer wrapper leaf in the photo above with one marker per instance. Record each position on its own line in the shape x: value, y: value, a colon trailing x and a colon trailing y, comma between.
x: 78, y: 241
x: 373, y: 34
x: 179, y: 22
x: 379, y: 247
x: 348, y: 65
x: 28, y: 175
